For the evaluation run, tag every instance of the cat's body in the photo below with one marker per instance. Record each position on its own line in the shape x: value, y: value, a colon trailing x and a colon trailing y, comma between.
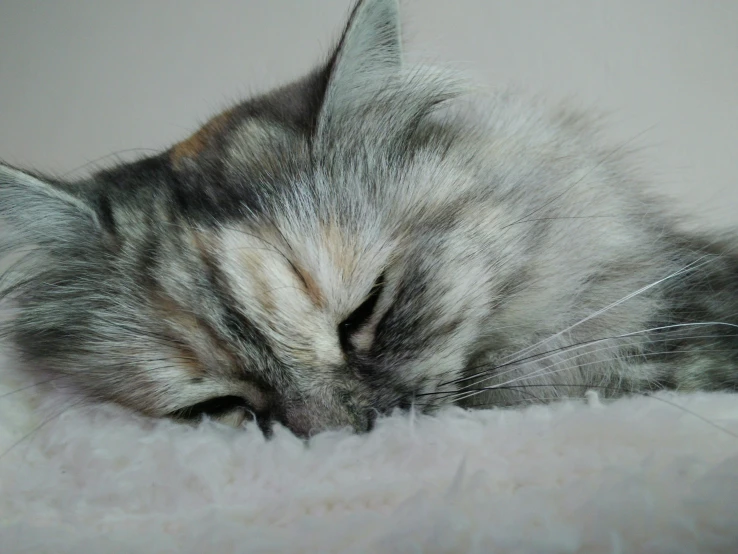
x: 364, y: 240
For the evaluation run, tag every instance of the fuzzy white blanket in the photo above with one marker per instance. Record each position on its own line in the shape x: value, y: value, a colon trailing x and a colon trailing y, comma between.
x: 637, y: 475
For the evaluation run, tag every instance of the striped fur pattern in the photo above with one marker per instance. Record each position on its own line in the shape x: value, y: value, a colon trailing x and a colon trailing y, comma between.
x: 370, y: 237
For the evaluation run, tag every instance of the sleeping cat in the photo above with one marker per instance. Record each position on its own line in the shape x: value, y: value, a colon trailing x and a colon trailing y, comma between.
x: 370, y: 237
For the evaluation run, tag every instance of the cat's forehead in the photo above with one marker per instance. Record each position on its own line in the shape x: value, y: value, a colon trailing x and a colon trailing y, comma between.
x: 324, y: 255
x: 347, y: 182
x: 263, y: 130
x: 240, y: 142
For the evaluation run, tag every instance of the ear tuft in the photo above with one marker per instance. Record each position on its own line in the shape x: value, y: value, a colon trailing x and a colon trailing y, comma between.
x: 370, y: 48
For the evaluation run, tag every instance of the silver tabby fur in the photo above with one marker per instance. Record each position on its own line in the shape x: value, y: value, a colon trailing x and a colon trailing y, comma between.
x: 364, y: 239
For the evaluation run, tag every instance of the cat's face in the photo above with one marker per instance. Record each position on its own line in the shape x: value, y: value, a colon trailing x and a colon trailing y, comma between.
x: 305, y: 257
x: 324, y: 302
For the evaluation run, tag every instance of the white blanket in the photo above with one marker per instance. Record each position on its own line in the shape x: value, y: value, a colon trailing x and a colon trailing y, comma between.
x: 636, y: 475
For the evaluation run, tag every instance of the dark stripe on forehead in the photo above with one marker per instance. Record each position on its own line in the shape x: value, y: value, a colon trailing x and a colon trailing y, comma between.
x: 240, y: 327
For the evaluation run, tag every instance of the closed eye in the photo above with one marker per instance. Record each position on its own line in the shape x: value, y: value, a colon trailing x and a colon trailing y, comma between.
x: 214, y: 407
x: 359, y: 316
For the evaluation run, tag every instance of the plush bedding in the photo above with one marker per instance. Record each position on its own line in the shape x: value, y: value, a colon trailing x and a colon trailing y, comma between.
x: 635, y: 475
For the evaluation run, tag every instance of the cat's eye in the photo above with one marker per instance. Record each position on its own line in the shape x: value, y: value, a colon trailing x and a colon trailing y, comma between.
x: 214, y: 407
x: 359, y: 316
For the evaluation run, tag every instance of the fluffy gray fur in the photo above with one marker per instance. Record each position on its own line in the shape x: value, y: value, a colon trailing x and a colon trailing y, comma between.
x: 364, y: 239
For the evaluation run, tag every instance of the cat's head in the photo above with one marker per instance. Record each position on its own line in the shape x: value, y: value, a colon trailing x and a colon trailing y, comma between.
x: 304, y: 257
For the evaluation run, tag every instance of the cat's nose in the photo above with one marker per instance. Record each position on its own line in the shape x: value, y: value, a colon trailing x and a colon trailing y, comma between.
x: 306, y: 420
x: 299, y: 419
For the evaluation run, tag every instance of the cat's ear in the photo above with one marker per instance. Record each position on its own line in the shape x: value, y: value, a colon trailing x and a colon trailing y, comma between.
x: 369, y: 50
x: 38, y: 211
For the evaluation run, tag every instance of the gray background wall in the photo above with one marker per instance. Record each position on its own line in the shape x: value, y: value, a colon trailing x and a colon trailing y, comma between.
x: 80, y: 79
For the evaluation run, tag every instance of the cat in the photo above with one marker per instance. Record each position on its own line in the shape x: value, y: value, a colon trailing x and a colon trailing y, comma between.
x: 372, y: 237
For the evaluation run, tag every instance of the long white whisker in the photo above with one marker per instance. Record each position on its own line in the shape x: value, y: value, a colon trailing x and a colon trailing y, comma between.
x: 544, y: 372
x: 689, y: 267
x: 565, y: 349
x: 584, y: 345
x: 551, y: 353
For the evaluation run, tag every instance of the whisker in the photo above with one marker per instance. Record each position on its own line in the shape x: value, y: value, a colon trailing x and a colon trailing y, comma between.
x: 582, y: 345
x: 545, y: 373
x: 590, y: 352
x: 692, y: 413
x: 39, y: 426
x: 490, y: 375
x: 689, y: 267
x: 647, y: 395
x: 32, y: 385
x: 570, y: 217
x: 482, y: 389
x: 602, y: 387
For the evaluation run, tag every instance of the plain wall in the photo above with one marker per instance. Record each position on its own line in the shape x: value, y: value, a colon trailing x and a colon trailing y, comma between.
x: 81, y: 79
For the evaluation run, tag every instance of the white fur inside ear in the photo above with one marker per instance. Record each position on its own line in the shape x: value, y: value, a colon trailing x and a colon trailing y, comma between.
x: 36, y: 205
x: 371, y: 45
x: 15, y: 178
x: 563, y: 478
